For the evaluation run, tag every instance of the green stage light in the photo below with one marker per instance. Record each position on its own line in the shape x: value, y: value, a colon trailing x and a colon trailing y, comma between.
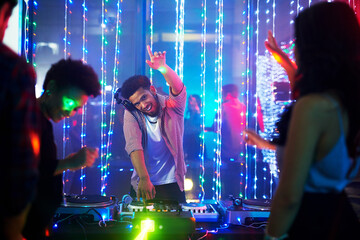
x: 68, y: 103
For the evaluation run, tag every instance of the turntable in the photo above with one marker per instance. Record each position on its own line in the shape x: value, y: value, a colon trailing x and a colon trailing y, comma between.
x: 194, y: 207
x: 202, y: 212
x: 246, y: 211
x: 101, y: 207
x: 258, y: 204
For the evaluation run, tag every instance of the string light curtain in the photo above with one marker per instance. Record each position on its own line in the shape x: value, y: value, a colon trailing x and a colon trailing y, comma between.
x: 258, y: 71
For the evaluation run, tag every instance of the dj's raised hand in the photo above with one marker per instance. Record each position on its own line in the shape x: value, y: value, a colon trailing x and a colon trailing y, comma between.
x: 157, y: 60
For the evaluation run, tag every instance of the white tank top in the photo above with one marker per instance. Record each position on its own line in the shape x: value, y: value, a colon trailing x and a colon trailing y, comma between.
x: 160, y: 162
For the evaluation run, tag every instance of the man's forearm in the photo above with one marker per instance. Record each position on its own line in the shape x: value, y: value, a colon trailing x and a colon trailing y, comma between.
x: 172, y: 79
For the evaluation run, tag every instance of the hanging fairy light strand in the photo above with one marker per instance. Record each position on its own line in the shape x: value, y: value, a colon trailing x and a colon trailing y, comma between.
x: 218, y: 85
x: 84, y: 32
x: 34, y: 25
x: 274, y: 118
x: 26, y: 31
x: 179, y: 34
x: 247, y: 160
x: 253, y: 159
x: 181, y: 43
x: 243, y: 62
x: 30, y: 31
x: 151, y: 34
x: 268, y: 157
x: 299, y: 8
x: 66, y: 121
x: 84, y: 108
x: 115, y: 77
x: 103, y: 157
x: 67, y: 33
x: 203, y: 81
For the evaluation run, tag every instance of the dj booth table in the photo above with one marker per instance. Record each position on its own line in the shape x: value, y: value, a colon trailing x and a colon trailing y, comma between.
x: 118, y: 231
x: 192, y: 221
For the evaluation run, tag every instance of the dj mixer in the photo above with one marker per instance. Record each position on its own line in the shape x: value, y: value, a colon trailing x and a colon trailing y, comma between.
x: 157, y: 219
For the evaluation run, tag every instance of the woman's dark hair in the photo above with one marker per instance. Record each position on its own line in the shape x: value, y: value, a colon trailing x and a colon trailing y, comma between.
x: 73, y: 73
x: 132, y: 84
x: 328, y: 56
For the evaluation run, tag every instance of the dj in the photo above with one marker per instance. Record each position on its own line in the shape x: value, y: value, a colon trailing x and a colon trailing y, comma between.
x: 153, y: 129
x: 67, y: 87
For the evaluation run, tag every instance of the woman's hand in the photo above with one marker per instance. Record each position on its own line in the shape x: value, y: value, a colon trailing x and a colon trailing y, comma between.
x: 271, y: 45
x: 254, y: 139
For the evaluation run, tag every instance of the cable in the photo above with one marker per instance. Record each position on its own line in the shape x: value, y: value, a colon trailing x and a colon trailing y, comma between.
x: 204, y: 235
x: 261, y: 224
x: 95, y: 212
x: 66, y: 218
x: 77, y: 218
x: 82, y: 227
x: 225, y: 226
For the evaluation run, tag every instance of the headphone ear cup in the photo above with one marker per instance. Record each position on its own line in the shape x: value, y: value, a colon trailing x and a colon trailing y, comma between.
x: 128, y: 105
x: 117, y: 96
x: 120, y: 100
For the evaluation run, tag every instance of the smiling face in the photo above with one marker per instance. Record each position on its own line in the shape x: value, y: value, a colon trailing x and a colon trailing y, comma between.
x: 64, y: 103
x: 145, y: 101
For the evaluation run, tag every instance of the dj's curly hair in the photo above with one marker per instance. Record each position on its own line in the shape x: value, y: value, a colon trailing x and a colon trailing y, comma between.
x: 132, y: 84
x: 73, y: 73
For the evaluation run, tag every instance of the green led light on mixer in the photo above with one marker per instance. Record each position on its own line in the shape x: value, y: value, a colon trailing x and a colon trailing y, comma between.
x: 148, y: 225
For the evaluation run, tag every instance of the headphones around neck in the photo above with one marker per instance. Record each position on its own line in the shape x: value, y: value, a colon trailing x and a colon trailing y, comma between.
x: 136, y: 114
x: 125, y: 102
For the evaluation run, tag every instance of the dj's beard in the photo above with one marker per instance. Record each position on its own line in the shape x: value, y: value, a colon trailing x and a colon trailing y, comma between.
x: 157, y: 112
